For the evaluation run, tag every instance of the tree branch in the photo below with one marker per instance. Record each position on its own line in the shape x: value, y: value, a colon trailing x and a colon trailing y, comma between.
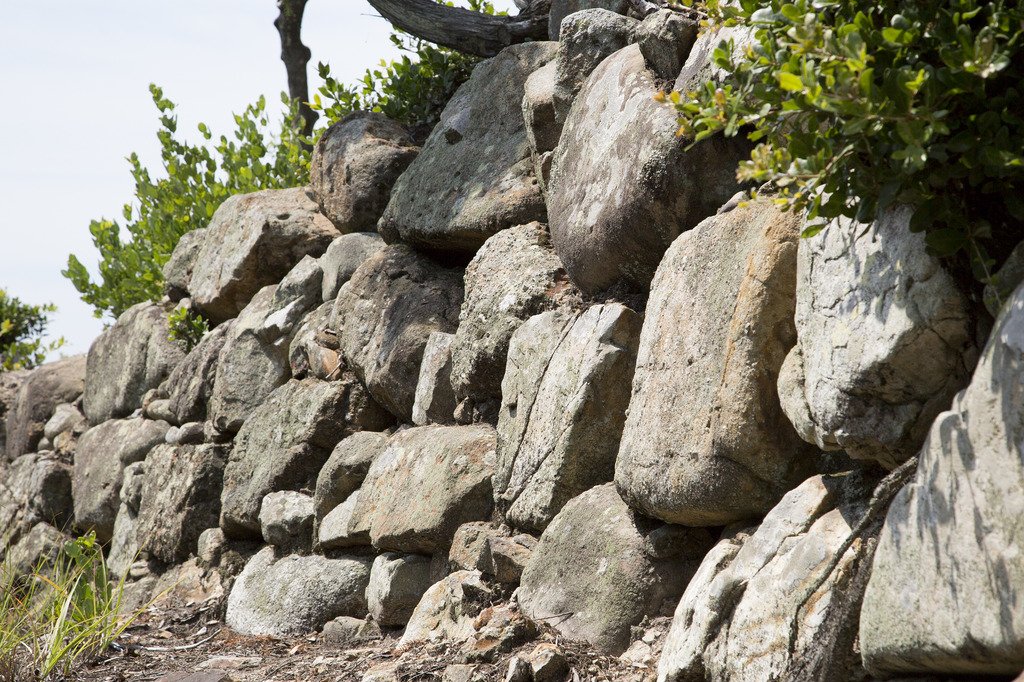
x: 464, y: 30
x: 295, y: 56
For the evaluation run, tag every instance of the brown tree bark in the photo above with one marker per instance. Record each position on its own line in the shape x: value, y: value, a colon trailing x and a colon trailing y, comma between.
x: 463, y: 29
x: 295, y: 56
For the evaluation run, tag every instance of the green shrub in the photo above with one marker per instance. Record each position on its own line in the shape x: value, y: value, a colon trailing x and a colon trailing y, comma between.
x: 186, y: 328
x: 412, y: 90
x: 858, y: 104
x: 21, y: 329
x: 194, y: 181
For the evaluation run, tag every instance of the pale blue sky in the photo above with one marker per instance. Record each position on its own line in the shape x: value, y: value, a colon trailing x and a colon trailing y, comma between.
x: 74, y: 102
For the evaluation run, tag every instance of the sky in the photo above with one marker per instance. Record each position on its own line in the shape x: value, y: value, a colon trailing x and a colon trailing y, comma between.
x: 74, y: 102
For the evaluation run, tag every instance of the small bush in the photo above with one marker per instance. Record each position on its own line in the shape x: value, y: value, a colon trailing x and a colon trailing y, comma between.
x: 195, y: 180
x: 858, y: 104
x: 186, y: 328
x: 22, y: 327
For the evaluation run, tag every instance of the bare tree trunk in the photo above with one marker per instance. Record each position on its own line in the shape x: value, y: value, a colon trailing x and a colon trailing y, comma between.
x: 295, y: 56
x: 463, y: 29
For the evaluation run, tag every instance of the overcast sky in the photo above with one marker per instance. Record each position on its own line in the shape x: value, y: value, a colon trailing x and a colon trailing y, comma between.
x: 74, y: 78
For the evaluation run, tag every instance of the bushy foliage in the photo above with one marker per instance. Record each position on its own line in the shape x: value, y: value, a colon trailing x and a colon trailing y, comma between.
x: 186, y: 327
x: 412, y: 90
x: 194, y: 180
x: 858, y: 104
x: 22, y: 327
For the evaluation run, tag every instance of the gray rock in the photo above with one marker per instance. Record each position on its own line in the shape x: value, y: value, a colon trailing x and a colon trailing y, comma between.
x: 947, y: 554
x: 180, y: 499
x: 560, y: 9
x: 435, y: 398
x: 1000, y: 288
x: 286, y: 441
x: 488, y: 548
x: 347, y: 630
x: 591, y: 579
x: 564, y: 401
x: 548, y: 663
x: 354, y: 166
x: 587, y: 38
x: 543, y: 128
x: 474, y: 176
x: 613, y: 213
x: 124, y: 544
x: 514, y: 276
x: 160, y: 410
x: 41, y: 488
x: 386, y: 313
x: 38, y: 394
x: 103, y: 453
x: 700, y: 67
x: 178, y: 269
x: 666, y: 39
x: 65, y: 418
x: 344, y: 256
x: 346, y: 469
x: 741, y: 617
x: 286, y: 521
x: 427, y: 482
x: 253, y: 241
x: 296, y: 595
x: 885, y: 339
x: 314, y: 347
x: 339, y: 528
x: 705, y: 442
x: 38, y: 548
x: 192, y: 433
x: 447, y: 610
x: 128, y: 359
x: 397, y: 583
x: 10, y: 382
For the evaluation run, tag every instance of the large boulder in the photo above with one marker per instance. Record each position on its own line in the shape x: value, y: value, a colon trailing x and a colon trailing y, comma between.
x: 666, y: 38
x: 40, y: 488
x: 355, y: 164
x: 594, y: 574
x: 124, y: 544
x: 427, y: 482
x: 286, y: 441
x: 180, y: 499
x: 514, y: 276
x: 947, y: 575
x: 178, y: 269
x: 253, y: 241
x: 286, y: 521
x: 346, y: 469
x: 448, y: 609
x: 343, y: 257
x: 38, y: 394
x: 623, y: 184
x: 474, y: 176
x: 763, y: 604
x: 128, y: 359
x: 560, y: 9
x: 386, y: 313
x: 397, y: 582
x: 190, y: 386
x: 706, y: 441
x: 564, y: 402
x: 885, y: 339
x: 296, y: 595
x: 435, y: 397
x: 543, y: 127
x: 103, y: 453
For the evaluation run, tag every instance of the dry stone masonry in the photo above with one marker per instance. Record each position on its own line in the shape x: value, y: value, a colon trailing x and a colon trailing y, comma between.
x: 544, y: 390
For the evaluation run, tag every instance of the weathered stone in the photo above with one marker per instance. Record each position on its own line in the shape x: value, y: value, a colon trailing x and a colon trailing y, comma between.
x: 159, y: 410
x: 354, y: 166
x: 10, y: 383
x: 38, y: 394
x: 41, y: 487
x: 947, y: 575
x: 665, y: 39
x: 587, y: 38
x: 296, y: 294
x: 253, y: 241
x: 488, y: 548
x: 314, y: 347
x: 743, y: 615
x: 127, y: 360
x: 338, y: 529
x: 346, y: 469
x: 180, y: 499
x: 178, y: 269
x: 349, y: 630
x: 124, y: 544
x: 38, y: 548
x: 65, y: 418
x: 386, y: 313
x: 885, y: 339
x: 548, y: 663
x: 560, y: 9
x: 427, y: 482
x: 192, y: 433
x: 296, y: 595
x: 706, y: 442
x: 623, y: 184
x: 543, y: 128
x: 474, y: 176
x: 591, y: 579
x: 103, y: 453
x: 447, y: 610
x: 286, y: 521
x: 514, y: 276
x: 343, y: 257
x: 397, y: 582
x: 286, y: 441
x: 564, y: 401
x: 435, y: 398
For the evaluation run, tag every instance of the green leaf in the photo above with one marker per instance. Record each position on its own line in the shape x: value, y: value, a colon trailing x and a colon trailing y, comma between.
x: 789, y: 82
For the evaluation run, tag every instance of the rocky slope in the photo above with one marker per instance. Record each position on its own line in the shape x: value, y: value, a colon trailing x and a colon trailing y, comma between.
x: 541, y: 401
